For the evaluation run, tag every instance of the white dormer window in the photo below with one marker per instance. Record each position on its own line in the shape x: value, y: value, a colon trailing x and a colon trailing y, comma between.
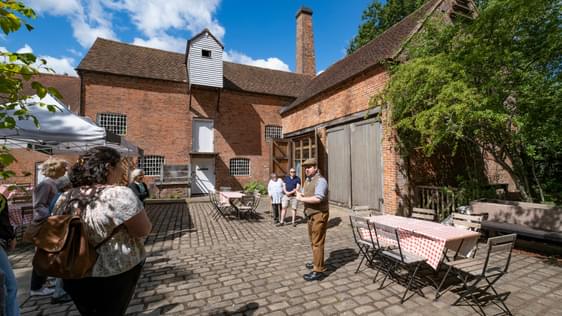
x: 204, y: 60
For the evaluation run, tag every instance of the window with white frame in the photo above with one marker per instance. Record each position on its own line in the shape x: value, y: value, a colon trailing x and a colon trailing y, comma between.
x: 152, y: 165
x: 240, y: 167
x: 113, y: 122
x: 273, y: 132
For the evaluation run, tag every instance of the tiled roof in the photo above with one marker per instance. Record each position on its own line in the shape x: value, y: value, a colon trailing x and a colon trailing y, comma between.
x: 383, y: 47
x: 136, y: 61
x: 69, y: 88
x: 262, y: 80
x: 124, y: 59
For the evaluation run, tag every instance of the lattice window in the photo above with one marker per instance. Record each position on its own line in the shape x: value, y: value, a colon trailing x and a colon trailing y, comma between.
x: 273, y: 132
x: 113, y: 122
x: 152, y: 165
x: 239, y: 167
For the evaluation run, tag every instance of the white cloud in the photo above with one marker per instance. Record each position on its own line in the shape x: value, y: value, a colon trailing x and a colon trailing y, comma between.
x: 164, y: 42
x: 153, y: 17
x: 86, y: 33
x: 63, y: 65
x: 25, y: 49
x: 241, y: 58
x: 55, y: 7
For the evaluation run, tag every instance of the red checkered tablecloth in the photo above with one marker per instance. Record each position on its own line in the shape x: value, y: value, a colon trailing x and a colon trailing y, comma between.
x: 16, y: 218
x: 426, y: 239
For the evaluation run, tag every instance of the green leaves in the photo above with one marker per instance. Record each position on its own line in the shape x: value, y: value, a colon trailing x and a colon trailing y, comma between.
x: 378, y: 17
x: 495, y: 83
x: 16, y: 69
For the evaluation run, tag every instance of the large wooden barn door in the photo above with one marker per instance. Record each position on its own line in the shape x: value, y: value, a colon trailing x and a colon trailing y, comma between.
x: 339, y: 173
x: 280, y: 155
x: 366, y: 164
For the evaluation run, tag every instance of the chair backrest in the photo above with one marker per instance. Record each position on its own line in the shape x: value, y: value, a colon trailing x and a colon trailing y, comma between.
x: 499, y: 253
x: 362, y: 232
x: 257, y: 198
x: 423, y: 213
x: 470, y: 222
x: 387, y: 236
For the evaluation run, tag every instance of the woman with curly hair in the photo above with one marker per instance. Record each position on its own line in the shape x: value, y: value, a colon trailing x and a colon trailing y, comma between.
x: 43, y: 194
x: 115, y: 222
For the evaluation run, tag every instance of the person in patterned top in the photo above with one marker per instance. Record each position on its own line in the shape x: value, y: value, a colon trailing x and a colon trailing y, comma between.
x: 107, y: 211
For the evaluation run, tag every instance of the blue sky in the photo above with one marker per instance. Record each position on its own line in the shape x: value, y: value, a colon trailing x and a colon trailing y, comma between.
x: 256, y: 32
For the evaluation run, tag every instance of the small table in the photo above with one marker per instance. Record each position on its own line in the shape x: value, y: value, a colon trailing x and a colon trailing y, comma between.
x: 231, y: 196
x: 430, y: 239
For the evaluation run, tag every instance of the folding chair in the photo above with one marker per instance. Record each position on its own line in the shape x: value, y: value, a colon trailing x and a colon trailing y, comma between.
x: 363, y: 237
x: 472, y: 271
x: 396, y: 256
x: 248, y: 203
x: 424, y: 214
x: 468, y: 222
x: 219, y: 206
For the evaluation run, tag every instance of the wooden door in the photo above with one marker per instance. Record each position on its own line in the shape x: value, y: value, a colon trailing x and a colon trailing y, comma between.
x: 339, y: 165
x: 280, y: 157
x: 366, y: 164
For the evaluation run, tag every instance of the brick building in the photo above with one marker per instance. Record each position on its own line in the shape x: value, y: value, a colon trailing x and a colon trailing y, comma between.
x: 225, y: 120
x: 220, y: 127
x: 333, y: 121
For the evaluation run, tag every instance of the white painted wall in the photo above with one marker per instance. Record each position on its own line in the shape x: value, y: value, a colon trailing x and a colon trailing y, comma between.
x: 203, y: 70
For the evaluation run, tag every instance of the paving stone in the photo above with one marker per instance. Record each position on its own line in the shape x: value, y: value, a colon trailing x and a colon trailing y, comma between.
x: 197, y: 265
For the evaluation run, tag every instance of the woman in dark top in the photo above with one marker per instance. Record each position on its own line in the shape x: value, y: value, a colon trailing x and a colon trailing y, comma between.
x: 7, y: 242
x: 137, y: 185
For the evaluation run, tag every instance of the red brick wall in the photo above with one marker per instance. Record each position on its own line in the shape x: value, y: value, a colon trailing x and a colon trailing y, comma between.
x: 306, y: 57
x: 26, y: 161
x: 346, y: 99
x: 158, y: 118
x: 239, y: 121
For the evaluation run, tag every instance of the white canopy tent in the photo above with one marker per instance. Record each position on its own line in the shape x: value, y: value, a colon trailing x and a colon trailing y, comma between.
x: 61, y: 132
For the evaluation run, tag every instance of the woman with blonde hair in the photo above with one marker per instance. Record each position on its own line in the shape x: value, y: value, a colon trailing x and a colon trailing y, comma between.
x: 137, y: 185
x: 43, y: 194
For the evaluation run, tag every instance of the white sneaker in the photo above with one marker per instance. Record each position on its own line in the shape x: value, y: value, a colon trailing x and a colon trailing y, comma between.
x: 44, y: 291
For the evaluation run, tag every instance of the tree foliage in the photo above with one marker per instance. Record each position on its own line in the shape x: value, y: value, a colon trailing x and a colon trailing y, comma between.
x: 17, y: 69
x: 494, y: 83
x: 378, y: 17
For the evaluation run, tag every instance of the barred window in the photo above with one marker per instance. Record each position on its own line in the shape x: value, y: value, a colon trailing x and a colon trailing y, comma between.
x: 151, y: 165
x: 113, y: 122
x: 239, y: 167
x: 273, y: 132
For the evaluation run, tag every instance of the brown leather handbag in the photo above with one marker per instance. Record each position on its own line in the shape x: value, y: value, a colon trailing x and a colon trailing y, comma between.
x: 63, y: 249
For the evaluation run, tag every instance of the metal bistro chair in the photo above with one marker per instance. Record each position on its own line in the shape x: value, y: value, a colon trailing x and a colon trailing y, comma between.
x: 249, y: 203
x: 472, y: 271
x: 220, y: 207
x: 424, y: 214
x: 396, y: 256
x: 468, y: 222
x: 363, y: 237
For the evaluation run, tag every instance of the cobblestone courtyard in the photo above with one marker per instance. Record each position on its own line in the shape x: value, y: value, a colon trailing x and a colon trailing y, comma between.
x: 199, y: 265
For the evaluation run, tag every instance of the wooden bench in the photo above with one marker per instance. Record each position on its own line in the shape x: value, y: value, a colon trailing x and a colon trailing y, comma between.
x: 532, y: 220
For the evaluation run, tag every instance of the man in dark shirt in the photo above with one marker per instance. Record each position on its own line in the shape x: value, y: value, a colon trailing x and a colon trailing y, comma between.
x: 291, y: 184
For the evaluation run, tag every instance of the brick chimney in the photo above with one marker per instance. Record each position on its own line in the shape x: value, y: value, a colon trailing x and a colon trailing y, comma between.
x: 306, y: 58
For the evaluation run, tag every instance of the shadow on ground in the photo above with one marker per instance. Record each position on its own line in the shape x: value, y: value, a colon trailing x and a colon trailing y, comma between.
x: 247, y: 310
x: 339, y: 258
